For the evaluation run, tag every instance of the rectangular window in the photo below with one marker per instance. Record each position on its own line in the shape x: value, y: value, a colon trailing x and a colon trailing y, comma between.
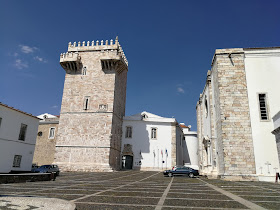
x: 17, y: 161
x: 263, y: 106
x: 154, y: 133
x: 128, y: 133
x: 52, y: 132
x: 86, y: 103
x: 0, y: 121
x: 22, y: 132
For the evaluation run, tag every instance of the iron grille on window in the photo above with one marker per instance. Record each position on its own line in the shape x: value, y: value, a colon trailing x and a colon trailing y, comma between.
x: 263, y: 107
x: 22, y: 132
x: 17, y: 160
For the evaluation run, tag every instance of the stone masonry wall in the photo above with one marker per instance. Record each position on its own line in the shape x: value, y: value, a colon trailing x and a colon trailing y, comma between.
x: 233, y: 117
x: 118, y: 114
x: 217, y: 121
x: 45, y: 147
x: 173, y: 145
x: 199, y: 134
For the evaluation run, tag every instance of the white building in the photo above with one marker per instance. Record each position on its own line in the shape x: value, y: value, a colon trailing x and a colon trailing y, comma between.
x: 234, y: 114
x: 18, y: 131
x: 190, y: 147
x: 276, y: 131
x: 151, y: 142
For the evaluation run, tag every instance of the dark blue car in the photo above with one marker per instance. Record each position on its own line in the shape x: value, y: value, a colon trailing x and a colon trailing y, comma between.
x: 47, y: 169
x: 181, y: 170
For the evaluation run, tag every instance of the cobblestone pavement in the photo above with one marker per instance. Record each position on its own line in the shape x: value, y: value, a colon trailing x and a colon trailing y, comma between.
x: 150, y: 190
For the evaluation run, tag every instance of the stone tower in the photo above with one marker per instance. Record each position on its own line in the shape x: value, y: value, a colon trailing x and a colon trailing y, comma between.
x: 93, y: 106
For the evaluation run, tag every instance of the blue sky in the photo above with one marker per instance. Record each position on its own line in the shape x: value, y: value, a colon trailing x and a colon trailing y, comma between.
x: 169, y: 46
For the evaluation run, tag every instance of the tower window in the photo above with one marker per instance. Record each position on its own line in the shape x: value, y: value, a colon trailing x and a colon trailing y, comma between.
x: 86, y: 103
x: 154, y: 133
x: 0, y: 121
x: 128, y: 133
x: 206, y: 106
x: 263, y: 106
x: 84, y: 71
x: 52, y: 132
x: 22, y: 132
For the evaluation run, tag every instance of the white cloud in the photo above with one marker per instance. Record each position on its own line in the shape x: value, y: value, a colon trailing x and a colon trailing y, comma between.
x: 54, y: 106
x: 27, y: 49
x: 20, y: 64
x: 180, y: 90
x: 40, y: 59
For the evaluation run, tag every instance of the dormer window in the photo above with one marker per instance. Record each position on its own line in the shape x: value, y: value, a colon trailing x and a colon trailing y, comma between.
x: 144, y: 116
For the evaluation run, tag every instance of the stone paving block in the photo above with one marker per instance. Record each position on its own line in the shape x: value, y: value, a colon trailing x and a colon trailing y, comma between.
x: 203, y: 203
x: 269, y: 205
x: 198, y: 196
x: 124, y: 200
x: 87, y: 206
x: 128, y: 193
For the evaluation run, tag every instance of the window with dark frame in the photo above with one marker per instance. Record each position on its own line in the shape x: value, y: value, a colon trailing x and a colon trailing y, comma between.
x: 51, y: 135
x: 84, y: 71
x: 154, y: 133
x: 0, y: 121
x: 263, y: 106
x: 86, y: 103
x: 22, y: 132
x: 128, y: 133
x: 17, y: 161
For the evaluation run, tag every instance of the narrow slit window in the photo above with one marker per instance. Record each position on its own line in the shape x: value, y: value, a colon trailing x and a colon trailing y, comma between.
x: 86, y: 103
x: 263, y: 106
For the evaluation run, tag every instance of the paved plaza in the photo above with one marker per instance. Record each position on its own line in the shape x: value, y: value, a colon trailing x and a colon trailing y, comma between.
x: 149, y: 190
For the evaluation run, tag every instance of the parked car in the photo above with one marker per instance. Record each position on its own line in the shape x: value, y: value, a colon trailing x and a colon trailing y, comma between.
x: 181, y: 170
x: 47, y: 169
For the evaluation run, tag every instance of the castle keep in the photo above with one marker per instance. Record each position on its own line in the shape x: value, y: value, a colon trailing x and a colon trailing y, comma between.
x: 93, y: 106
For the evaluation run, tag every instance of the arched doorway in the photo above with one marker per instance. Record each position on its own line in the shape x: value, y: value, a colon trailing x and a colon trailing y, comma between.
x: 127, y: 162
x: 127, y: 157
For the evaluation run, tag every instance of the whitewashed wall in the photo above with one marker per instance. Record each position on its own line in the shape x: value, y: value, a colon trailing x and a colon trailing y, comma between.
x: 9, y: 143
x: 190, y: 148
x: 153, y: 152
x: 262, y: 73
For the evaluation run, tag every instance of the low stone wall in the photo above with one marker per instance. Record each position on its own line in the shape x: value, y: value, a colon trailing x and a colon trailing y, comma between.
x: 30, y: 177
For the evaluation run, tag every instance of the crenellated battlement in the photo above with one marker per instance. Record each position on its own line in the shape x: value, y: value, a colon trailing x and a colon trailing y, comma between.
x: 98, y: 46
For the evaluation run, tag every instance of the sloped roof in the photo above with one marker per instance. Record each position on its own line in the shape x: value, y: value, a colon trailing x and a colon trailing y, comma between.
x: 147, y: 116
x: 10, y: 107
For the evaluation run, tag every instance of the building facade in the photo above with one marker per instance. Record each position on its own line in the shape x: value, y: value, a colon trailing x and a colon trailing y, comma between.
x: 151, y: 142
x: 18, y: 132
x: 46, y: 139
x: 190, y: 147
x: 93, y: 106
x: 234, y: 115
x: 276, y: 131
